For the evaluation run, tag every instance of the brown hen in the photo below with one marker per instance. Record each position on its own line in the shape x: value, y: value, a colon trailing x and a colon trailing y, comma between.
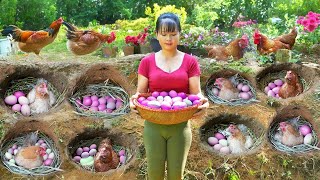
x: 227, y: 90
x: 291, y: 87
x: 105, y: 158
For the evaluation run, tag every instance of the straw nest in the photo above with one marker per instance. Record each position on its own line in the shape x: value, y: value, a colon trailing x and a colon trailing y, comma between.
x: 39, y: 171
x: 27, y: 84
x: 280, y: 75
x: 97, y: 140
x: 235, y: 79
x: 223, y: 129
x: 107, y: 88
x: 298, y: 121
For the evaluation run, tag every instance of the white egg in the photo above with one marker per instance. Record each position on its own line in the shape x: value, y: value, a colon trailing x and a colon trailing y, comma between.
x: 45, y: 157
x: 25, y: 110
x: 307, y: 139
x: 225, y: 150
x: 8, y: 155
x: 51, y: 155
x: 48, y: 151
x: 223, y: 142
x: 12, y: 161
x: 23, y: 100
x: 15, y: 151
x: 217, y: 147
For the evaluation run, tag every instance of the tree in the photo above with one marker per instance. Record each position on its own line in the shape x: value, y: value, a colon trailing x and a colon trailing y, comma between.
x: 8, y: 12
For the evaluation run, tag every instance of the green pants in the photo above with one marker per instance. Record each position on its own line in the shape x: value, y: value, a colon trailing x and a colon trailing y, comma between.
x: 169, y: 143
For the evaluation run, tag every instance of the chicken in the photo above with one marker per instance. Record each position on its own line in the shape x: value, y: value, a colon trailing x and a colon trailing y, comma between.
x: 227, y: 90
x: 33, y: 41
x: 81, y: 42
x: 30, y: 156
x: 291, y: 87
x: 234, y: 49
x: 289, y: 38
x: 238, y: 142
x: 105, y: 158
x: 40, y: 98
x: 266, y: 45
x: 289, y: 135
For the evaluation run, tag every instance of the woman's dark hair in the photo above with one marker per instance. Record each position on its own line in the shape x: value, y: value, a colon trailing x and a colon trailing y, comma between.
x: 168, y: 22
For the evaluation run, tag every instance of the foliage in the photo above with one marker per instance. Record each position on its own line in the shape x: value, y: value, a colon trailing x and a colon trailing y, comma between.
x: 136, y: 40
x: 158, y: 10
x: 310, y: 25
x: 9, y: 7
x: 194, y: 37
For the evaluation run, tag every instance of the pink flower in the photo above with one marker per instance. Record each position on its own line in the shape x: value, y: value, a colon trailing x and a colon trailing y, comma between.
x: 312, y: 20
x: 311, y: 14
x: 304, y: 22
x: 311, y: 27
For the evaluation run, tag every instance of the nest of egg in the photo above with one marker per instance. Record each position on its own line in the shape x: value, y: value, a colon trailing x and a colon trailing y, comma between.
x: 27, y: 84
x: 236, y: 78
x: 38, y: 171
x: 220, y: 123
x: 88, y: 138
x: 101, y: 90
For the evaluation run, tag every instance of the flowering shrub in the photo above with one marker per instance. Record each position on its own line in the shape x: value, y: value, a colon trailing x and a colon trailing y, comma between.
x: 136, y: 40
x: 158, y: 10
x: 310, y: 22
x: 192, y: 39
x: 111, y: 37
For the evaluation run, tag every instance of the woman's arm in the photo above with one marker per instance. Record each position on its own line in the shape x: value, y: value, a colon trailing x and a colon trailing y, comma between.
x: 142, y: 87
x: 195, y: 88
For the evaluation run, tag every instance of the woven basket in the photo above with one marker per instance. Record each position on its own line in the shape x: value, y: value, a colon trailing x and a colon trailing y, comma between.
x: 165, y: 117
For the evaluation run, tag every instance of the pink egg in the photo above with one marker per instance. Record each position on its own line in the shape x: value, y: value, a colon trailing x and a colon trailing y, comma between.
x: 14, y: 146
x: 145, y: 102
x: 276, y: 90
x: 163, y: 93
x: 48, y: 162
x: 25, y: 110
x: 94, y: 98
x: 245, y: 88
x: 305, y: 129
x: 93, y: 146
x: 122, y: 159
x: 10, y: 150
x: 40, y: 141
x: 217, y: 147
x: 266, y: 89
x: 165, y: 105
x: 111, y: 100
x: 122, y: 152
x: 271, y: 93
x: 92, y: 152
x: 87, y: 101
x: 155, y: 94
x: 16, y: 108
x: 11, y: 100
x: 196, y: 102
x: 151, y: 98
x: 85, y: 154
x: 76, y: 159
x: 225, y: 150
x: 173, y: 93
x: 182, y: 95
x: 102, y: 107
x: 244, y: 95
x: 278, y: 82
x: 140, y: 99
x: 212, y: 141
x: 95, y: 103
x: 18, y: 94
x: 107, y: 97
x: 102, y: 100
x: 193, y: 97
x: 119, y: 104
x: 93, y: 109
x: 215, y: 91
x: 86, y: 96
x: 239, y: 86
x: 271, y: 85
x: 219, y: 136
x: 154, y: 104
x: 111, y: 105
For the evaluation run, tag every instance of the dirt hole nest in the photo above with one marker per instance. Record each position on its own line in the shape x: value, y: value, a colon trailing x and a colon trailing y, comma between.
x: 307, y: 76
x: 17, y: 135
x: 236, y: 78
x: 119, y: 142
x: 219, y: 123
x: 297, y: 116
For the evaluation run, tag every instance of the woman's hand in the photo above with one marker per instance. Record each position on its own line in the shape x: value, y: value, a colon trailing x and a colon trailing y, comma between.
x: 204, y: 105
x: 132, y: 106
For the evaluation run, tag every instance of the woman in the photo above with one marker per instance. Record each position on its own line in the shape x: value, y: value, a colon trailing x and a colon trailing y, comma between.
x: 168, y: 69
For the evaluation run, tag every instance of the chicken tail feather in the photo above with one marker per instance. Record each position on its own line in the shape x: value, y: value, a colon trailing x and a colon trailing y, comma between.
x: 11, y: 30
x: 31, y: 139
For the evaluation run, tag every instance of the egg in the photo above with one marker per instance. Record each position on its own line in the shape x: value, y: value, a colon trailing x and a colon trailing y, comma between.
x: 213, y: 141
x: 93, y: 146
x: 122, y: 159
x: 18, y: 94
x: 276, y: 90
x: 40, y: 141
x: 215, y: 91
x: 12, y: 161
x: 14, y: 146
x: 111, y: 105
x: 94, y: 98
x: 271, y: 85
x: 102, y: 107
x: 217, y: 147
x: 175, y: 99
x: 239, y: 86
x: 92, y: 152
x: 196, y: 102
x: 10, y: 150
x: 245, y: 88
x: 266, y: 89
x: 155, y: 94
x: 25, y: 110
x: 188, y: 102
x: 44, y: 145
x: 8, y: 155
x: 140, y: 99
x: 122, y: 152
x: 193, y: 97
x: 11, y: 100
x: 225, y: 150
x: 160, y: 99
x: 87, y: 101
x: 165, y: 105
x: 173, y: 93
x: 182, y: 95
x: 79, y: 151
x: 85, y: 154
x: 23, y: 100
x: 271, y: 93
x: 48, y: 162
x: 76, y: 159
x: 102, y: 100
x: 86, y: 149
x: 154, y: 104
x: 219, y: 136
x: 95, y: 103
x: 16, y: 108
x: 223, y: 142
x: 45, y: 157
x: 278, y: 82
x: 151, y: 98
x: 305, y: 129
x: 145, y: 102
x: 163, y: 93
x: 307, y: 139
x: 88, y: 161
x: 15, y: 151
x: 48, y: 151
x: 244, y: 95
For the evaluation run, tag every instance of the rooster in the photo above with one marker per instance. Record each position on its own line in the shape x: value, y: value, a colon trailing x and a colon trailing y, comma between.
x: 40, y: 98
x: 33, y: 41
x: 227, y: 90
x: 238, y: 142
x: 30, y: 156
x: 289, y: 135
x: 81, y: 42
x: 267, y: 46
x: 234, y: 49
x: 105, y: 158
x: 291, y: 87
